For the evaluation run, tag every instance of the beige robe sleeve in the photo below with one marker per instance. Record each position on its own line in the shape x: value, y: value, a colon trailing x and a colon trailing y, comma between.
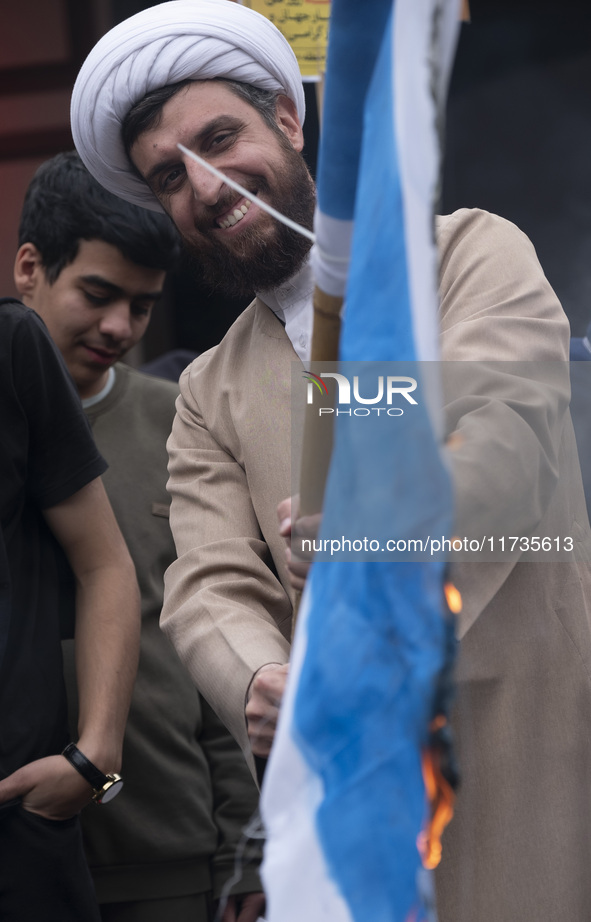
x: 226, y: 610
x: 505, y: 337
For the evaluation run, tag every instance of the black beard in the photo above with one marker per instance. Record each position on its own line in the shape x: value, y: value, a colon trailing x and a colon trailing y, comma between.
x: 258, y: 262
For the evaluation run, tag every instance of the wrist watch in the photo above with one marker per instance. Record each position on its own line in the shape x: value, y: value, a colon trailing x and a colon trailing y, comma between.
x: 105, y: 787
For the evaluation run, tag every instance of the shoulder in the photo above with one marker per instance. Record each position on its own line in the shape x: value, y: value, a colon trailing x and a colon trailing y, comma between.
x: 29, y: 352
x: 17, y: 320
x: 245, y: 343
x: 248, y: 326
x: 495, y: 301
x: 31, y: 359
x: 474, y: 231
x: 477, y: 245
x: 13, y: 312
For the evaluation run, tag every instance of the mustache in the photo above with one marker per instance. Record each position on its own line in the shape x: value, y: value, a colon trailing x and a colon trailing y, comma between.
x: 206, y: 220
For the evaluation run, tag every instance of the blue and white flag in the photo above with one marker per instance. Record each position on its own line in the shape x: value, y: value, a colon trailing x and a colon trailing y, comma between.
x: 343, y: 799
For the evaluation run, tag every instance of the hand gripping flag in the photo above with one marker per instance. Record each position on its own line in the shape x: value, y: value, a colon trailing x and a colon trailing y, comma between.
x: 344, y: 799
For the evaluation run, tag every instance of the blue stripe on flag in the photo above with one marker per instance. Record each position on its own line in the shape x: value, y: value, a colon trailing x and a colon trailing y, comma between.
x: 380, y: 329
x: 352, y: 52
x: 375, y: 639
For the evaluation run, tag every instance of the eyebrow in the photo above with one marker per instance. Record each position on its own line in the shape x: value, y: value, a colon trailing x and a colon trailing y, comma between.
x: 116, y: 290
x: 215, y: 124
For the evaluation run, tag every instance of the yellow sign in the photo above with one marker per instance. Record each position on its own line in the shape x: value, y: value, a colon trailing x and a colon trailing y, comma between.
x: 304, y: 23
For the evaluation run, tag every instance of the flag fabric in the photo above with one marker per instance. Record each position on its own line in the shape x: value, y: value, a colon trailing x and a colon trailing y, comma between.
x: 343, y: 799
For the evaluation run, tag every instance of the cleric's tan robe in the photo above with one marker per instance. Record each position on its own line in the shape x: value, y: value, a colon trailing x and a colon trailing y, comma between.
x: 519, y: 845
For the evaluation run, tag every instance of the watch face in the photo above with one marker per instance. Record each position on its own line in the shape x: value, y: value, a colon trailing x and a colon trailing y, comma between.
x: 110, y: 790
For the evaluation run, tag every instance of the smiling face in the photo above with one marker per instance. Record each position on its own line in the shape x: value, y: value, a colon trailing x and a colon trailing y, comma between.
x: 96, y: 310
x: 238, y: 246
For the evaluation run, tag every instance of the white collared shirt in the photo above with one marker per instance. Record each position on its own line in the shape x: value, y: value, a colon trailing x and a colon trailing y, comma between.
x: 291, y: 302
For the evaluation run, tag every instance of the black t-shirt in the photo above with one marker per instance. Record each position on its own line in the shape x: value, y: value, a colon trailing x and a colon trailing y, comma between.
x: 47, y: 454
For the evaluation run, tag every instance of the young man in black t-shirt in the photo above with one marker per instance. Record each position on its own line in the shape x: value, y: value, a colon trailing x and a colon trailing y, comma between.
x: 50, y: 482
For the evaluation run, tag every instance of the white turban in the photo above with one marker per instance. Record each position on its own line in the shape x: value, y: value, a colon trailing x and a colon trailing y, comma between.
x: 168, y: 43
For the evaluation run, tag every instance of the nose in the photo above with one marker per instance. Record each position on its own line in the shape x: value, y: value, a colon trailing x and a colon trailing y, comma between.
x: 206, y: 187
x: 116, y: 322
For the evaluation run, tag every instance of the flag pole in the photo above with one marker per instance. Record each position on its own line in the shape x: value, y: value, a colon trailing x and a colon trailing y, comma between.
x: 317, y: 439
x: 317, y: 436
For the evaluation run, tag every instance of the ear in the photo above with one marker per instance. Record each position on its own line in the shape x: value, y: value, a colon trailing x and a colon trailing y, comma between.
x: 28, y: 270
x: 286, y: 114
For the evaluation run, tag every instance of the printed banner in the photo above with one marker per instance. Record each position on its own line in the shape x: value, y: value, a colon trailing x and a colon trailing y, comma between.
x: 304, y: 23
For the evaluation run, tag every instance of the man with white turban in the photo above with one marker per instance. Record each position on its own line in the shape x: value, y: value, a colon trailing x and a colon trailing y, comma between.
x: 221, y: 80
x: 163, y: 46
x: 234, y: 68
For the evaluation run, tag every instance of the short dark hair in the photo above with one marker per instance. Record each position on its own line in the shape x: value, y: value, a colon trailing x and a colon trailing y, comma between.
x: 64, y: 204
x: 147, y: 112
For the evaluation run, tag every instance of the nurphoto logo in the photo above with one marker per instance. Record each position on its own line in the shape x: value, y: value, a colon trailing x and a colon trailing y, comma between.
x: 364, y: 405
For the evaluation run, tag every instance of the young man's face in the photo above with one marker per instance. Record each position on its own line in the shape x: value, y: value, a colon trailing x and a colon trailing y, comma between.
x: 96, y: 310
x: 237, y: 246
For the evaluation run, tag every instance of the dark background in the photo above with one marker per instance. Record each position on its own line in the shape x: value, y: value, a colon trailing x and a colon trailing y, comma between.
x: 519, y: 133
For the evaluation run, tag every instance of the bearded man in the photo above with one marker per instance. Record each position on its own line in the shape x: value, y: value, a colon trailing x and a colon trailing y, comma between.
x: 221, y: 80
x: 228, y: 86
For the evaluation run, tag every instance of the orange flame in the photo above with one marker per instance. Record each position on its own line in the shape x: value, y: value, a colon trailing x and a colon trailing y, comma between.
x: 439, y: 791
x: 453, y: 598
x: 441, y: 802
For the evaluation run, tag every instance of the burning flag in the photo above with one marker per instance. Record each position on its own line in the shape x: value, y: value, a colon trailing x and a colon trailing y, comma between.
x: 365, y: 710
